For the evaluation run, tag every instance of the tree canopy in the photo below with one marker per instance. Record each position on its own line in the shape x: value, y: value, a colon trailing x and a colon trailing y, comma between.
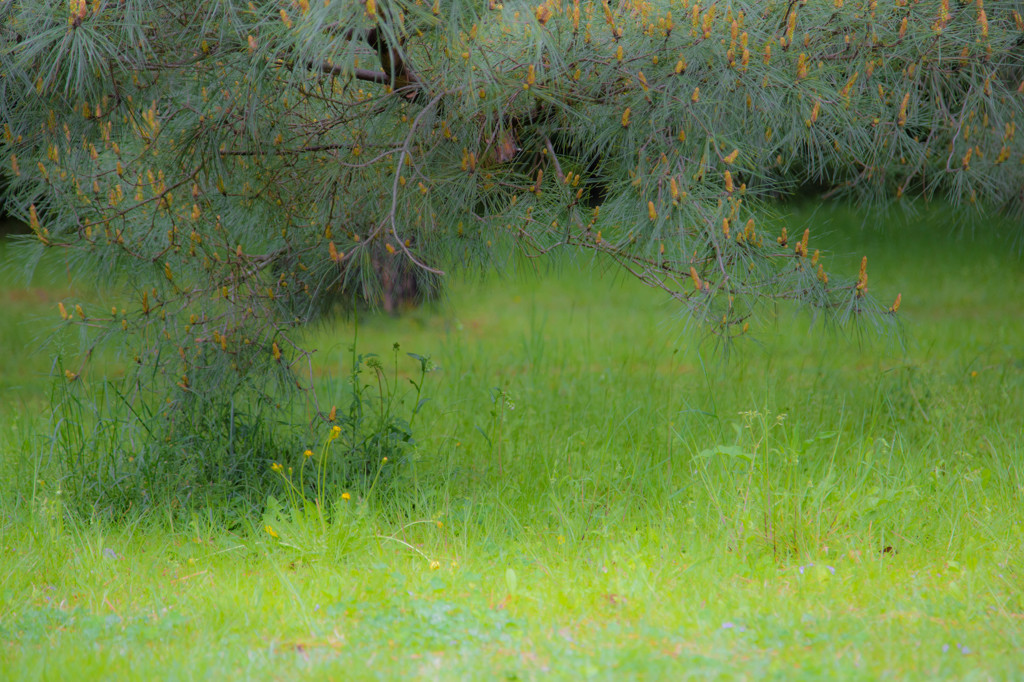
x: 235, y: 165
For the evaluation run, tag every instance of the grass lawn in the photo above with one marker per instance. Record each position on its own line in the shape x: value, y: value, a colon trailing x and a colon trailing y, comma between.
x: 593, y: 494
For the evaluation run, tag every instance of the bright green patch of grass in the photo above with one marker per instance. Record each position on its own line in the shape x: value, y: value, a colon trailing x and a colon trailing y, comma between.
x: 198, y: 603
x: 590, y: 496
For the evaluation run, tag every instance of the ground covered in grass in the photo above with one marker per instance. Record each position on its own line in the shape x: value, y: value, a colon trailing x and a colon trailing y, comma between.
x: 592, y: 493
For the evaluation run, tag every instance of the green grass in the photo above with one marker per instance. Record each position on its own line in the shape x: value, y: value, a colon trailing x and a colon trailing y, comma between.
x: 611, y: 525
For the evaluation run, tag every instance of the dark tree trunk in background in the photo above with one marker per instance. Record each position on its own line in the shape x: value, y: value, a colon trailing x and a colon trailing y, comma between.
x: 388, y: 282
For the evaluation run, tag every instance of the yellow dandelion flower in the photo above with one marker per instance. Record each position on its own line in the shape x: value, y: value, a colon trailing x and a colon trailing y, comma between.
x: 346, y: 496
x: 270, y: 531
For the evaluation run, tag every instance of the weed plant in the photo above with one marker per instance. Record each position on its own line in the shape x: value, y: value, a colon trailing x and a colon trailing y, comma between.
x: 237, y: 449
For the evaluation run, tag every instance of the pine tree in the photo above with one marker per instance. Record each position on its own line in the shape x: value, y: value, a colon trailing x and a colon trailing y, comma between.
x: 236, y: 166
